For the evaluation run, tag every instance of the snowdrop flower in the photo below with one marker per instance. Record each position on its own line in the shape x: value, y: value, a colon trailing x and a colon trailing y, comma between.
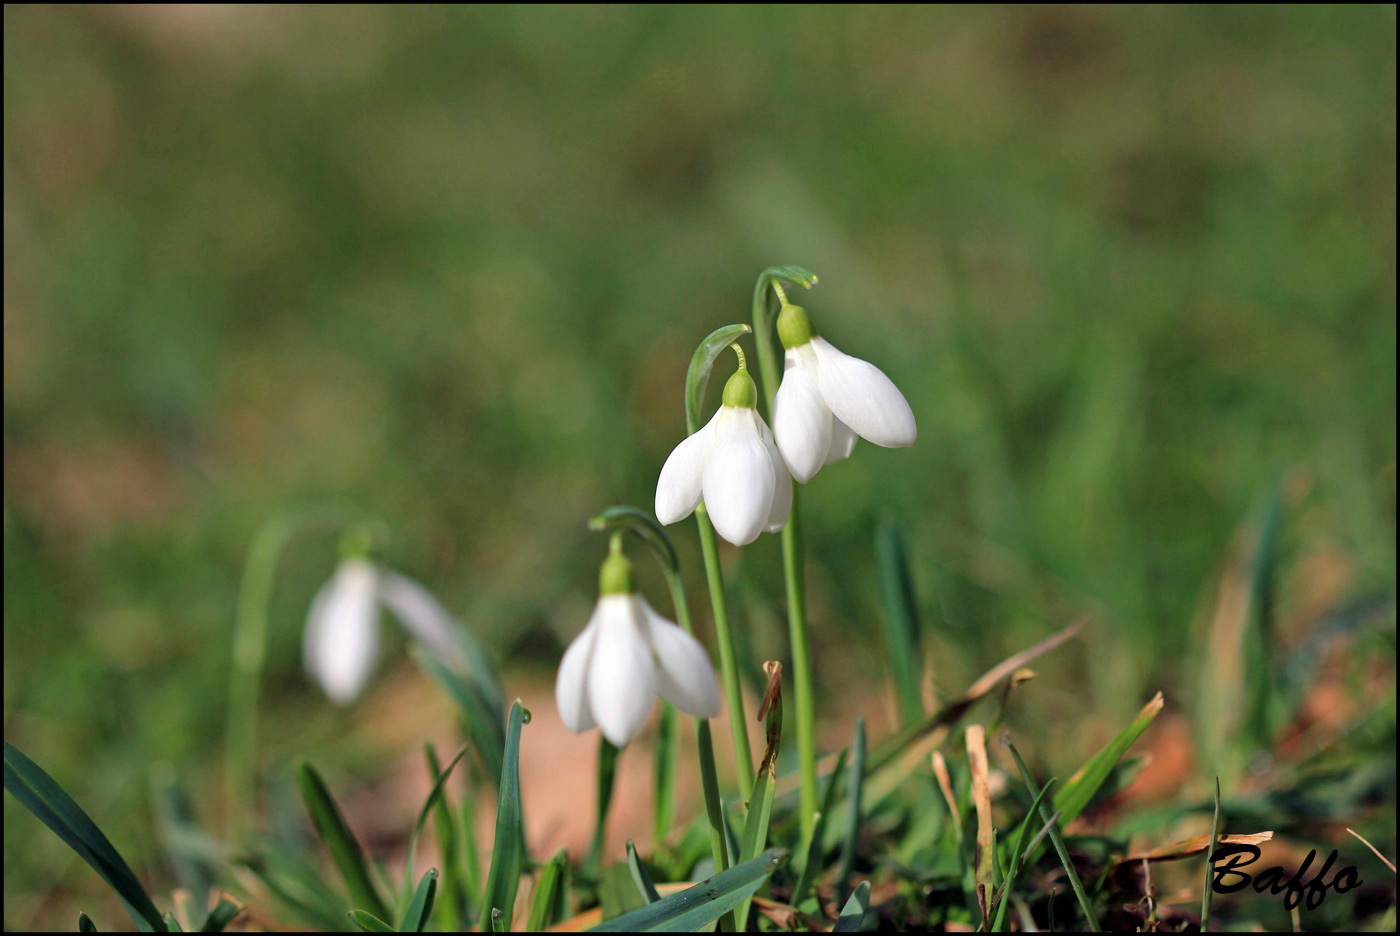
x: 827, y: 398
x: 612, y: 672
x: 733, y: 465
x: 341, y: 644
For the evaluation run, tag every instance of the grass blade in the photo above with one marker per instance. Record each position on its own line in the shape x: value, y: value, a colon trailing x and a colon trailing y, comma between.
x: 901, y: 622
x: 415, y: 918
x: 435, y: 796
x: 639, y: 875
x: 698, y: 906
x: 345, y: 849
x: 811, y: 867
x: 933, y: 729
x: 1059, y: 842
x: 221, y: 916
x: 27, y: 782
x: 1018, y: 855
x: 368, y: 922
x: 854, y: 785
x: 853, y: 914
x: 458, y: 884
x: 479, y: 715
x: 1054, y: 829
x: 548, y: 905
x: 985, y: 864
x: 508, y: 853
x: 1079, y: 790
x: 85, y: 924
x: 172, y: 925
x: 1207, y: 892
x: 760, y: 811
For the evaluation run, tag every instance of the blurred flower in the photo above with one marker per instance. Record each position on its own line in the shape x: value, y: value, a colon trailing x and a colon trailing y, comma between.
x: 342, y: 629
x: 733, y: 463
x: 613, y: 671
x: 827, y: 398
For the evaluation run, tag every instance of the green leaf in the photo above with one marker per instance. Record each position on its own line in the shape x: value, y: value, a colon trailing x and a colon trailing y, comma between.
x: 701, y: 905
x: 812, y: 866
x: 220, y: 917
x: 853, y: 914
x: 481, y: 718
x: 1054, y: 828
x: 415, y: 918
x: 550, y: 893
x: 901, y: 622
x: 85, y: 924
x: 508, y: 853
x: 697, y: 378
x: 434, y: 798
x: 854, y: 784
x: 27, y: 782
x: 345, y: 850
x: 172, y: 925
x: 640, y: 876
x: 369, y: 922
x: 1076, y: 794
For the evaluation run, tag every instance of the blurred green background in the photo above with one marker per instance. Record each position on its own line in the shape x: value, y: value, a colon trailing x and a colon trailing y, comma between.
x: 447, y: 267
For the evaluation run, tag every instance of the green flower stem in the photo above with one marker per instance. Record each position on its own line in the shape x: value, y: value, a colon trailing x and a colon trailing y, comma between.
x: 729, y: 669
x: 709, y: 780
x: 794, y: 577
x: 249, y: 656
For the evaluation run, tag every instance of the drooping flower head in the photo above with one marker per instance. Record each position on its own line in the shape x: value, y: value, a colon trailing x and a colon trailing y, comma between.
x: 341, y: 643
x: 732, y: 464
x: 628, y: 654
x: 827, y: 398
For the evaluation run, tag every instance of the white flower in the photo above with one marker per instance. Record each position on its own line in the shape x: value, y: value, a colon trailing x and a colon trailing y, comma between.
x: 341, y: 643
x: 827, y: 398
x: 613, y: 671
x: 734, y: 465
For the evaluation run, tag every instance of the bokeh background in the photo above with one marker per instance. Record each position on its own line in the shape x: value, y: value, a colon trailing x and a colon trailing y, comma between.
x: 1134, y: 269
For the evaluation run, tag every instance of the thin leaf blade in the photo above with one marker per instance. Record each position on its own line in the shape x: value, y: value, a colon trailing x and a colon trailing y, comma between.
x: 508, y: 853
x: 415, y: 918
x: 701, y: 905
x: 344, y: 848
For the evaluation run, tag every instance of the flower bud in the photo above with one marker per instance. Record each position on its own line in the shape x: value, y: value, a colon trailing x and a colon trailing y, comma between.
x: 794, y: 327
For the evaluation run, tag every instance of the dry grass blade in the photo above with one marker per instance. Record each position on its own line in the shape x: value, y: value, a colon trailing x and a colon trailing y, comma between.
x: 932, y: 732
x: 1196, y: 845
x: 982, y: 799
x: 945, y: 784
x: 1388, y: 863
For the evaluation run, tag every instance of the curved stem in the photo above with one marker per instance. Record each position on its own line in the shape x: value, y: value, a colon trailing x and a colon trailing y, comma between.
x: 729, y: 670
x: 249, y: 655
x: 794, y: 578
x: 709, y: 780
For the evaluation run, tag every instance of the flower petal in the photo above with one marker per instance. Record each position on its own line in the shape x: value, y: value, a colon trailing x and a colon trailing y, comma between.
x: 621, y: 674
x: 801, y: 420
x: 738, y: 480
x: 678, y: 488
x: 843, y: 440
x: 684, y: 675
x: 782, y: 484
x: 861, y: 396
x: 571, y: 687
x: 423, y: 616
x: 342, y: 632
